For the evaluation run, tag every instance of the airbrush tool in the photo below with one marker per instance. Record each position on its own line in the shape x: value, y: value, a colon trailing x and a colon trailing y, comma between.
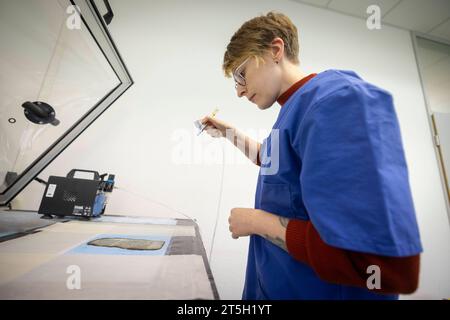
x: 200, y: 126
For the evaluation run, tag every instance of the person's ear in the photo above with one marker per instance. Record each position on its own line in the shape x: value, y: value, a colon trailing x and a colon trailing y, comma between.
x: 277, y: 49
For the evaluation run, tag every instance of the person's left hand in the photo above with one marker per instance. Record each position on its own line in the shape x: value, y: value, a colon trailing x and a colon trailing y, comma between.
x: 241, y: 222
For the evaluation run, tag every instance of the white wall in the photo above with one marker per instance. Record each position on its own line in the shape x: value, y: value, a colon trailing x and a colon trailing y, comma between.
x: 174, y: 53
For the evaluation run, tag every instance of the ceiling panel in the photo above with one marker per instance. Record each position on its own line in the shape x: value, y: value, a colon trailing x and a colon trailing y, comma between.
x: 442, y: 31
x: 419, y: 15
x: 425, y: 16
x: 320, y: 3
x: 359, y: 7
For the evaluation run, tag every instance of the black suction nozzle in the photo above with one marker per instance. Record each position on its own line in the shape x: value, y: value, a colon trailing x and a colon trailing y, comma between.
x: 40, y: 112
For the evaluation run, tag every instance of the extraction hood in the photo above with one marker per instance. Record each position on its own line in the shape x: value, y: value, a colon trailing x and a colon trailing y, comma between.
x: 60, y: 70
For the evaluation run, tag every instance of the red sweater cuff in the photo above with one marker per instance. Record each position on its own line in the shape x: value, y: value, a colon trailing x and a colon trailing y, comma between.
x: 296, y: 239
x: 340, y: 266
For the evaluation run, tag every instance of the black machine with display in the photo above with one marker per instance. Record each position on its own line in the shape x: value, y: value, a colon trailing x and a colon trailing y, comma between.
x: 82, y: 193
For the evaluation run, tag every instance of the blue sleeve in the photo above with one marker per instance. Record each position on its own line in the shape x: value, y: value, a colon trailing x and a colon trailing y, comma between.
x: 354, y: 177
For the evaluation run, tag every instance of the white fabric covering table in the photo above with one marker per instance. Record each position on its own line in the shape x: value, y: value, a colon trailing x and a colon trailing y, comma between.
x: 39, y: 265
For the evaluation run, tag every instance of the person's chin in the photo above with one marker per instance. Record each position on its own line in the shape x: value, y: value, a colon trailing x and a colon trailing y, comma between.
x: 264, y: 106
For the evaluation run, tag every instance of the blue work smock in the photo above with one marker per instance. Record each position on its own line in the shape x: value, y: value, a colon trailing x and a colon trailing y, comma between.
x: 334, y: 157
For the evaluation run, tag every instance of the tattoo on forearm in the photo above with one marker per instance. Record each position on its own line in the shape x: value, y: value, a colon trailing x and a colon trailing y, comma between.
x: 284, y: 221
x: 277, y: 241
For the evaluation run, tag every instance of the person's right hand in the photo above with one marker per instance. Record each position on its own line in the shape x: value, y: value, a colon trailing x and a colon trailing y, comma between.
x: 214, y: 127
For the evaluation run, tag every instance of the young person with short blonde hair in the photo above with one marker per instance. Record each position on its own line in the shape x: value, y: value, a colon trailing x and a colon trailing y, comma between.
x: 333, y: 216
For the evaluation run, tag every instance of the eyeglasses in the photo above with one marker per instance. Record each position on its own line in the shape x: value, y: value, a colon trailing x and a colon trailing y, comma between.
x: 239, y: 78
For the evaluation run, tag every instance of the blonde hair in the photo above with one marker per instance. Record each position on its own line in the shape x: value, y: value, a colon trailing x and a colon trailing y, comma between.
x: 255, y: 36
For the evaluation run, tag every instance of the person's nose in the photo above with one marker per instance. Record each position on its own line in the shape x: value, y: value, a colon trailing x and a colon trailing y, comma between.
x: 240, y: 91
